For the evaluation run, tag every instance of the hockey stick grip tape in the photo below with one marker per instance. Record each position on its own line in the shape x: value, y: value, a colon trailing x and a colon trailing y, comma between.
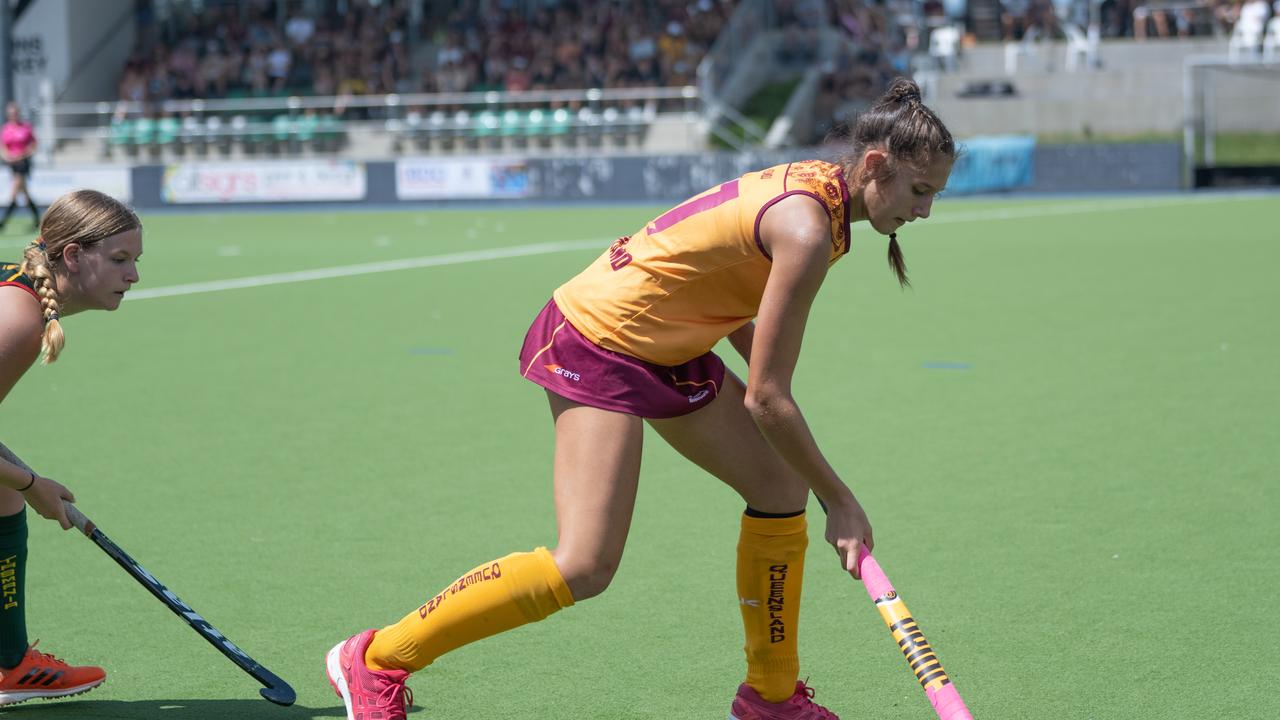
x: 873, y: 578
x: 947, y: 703
x: 77, y: 518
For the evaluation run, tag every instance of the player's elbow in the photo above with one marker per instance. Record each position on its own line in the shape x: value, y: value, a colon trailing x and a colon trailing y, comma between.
x: 767, y: 403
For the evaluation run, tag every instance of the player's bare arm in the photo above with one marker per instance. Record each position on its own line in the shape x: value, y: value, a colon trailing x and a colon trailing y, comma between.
x: 796, y: 232
x: 741, y: 340
x: 12, y: 468
x: 796, y: 235
x: 20, y: 329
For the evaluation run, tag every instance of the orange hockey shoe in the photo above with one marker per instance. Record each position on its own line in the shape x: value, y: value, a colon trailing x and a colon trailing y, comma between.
x: 46, y: 677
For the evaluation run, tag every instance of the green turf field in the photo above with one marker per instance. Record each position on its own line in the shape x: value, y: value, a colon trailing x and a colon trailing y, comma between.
x: 1066, y: 437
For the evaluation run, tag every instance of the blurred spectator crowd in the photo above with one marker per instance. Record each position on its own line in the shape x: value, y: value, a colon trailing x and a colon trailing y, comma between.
x: 237, y: 49
x: 882, y: 38
x: 567, y: 44
x: 209, y: 49
x: 1139, y: 19
x: 878, y: 40
x: 256, y: 48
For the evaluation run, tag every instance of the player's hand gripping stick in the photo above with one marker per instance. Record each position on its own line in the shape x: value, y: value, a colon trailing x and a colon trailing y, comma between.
x: 919, y: 654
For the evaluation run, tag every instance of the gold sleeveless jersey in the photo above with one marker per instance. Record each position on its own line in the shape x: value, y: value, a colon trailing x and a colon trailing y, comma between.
x: 670, y: 292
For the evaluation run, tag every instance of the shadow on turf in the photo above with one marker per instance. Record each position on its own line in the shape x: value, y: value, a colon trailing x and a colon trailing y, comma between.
x: 171, y: 710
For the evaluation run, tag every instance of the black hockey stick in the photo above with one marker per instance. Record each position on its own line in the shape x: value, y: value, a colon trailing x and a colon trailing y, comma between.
x: 275, y: 690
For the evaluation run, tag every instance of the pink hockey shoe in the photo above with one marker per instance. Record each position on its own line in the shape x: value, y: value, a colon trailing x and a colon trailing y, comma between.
x: 368, y: 694
x: 748, y: 705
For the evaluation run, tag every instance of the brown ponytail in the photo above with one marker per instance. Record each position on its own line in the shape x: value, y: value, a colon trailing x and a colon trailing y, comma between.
x: 909, y: 132
x: 897, y: 262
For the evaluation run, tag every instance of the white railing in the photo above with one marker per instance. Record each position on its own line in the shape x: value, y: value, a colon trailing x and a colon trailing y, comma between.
x: 453, y: 115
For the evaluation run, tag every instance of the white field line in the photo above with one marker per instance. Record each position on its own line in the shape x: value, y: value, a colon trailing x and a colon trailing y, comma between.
x: 459, y: 258
x: 470, y: 256
x: 1079, y: 208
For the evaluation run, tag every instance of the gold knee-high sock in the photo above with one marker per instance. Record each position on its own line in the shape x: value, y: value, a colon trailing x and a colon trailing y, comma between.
x: 495, y: 597
x: 770, y: 574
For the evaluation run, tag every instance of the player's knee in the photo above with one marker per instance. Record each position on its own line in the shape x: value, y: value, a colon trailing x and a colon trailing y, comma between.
x: 783, y: 493
x: 589, y: 578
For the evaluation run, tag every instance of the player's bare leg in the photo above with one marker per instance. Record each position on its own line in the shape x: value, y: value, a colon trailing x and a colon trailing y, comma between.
x: 597, y: 471
x: 597, y: 466
x: 723, y: 439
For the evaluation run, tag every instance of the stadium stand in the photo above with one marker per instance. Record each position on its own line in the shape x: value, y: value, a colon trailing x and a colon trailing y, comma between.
x: 376, y: 78
x: 194, y: 61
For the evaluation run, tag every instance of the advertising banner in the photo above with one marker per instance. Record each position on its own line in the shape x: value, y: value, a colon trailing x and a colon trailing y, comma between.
x: 277, y: 181
x: 47, y: 184
x: 990, y: 164
x: 424, y: 179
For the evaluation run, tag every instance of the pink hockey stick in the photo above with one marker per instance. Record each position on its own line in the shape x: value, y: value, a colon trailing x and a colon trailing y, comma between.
x: 919, y: 654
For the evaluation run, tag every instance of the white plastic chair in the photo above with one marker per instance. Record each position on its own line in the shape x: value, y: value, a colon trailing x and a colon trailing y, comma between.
x: 1023, y: 48
x: 1246, y: 38
x: 1271, y: 43
x: 1081, y: 45
x: 944, y: 46
x: 192, y: 130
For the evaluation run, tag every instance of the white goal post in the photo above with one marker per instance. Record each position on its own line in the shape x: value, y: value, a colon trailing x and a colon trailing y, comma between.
x: 1223, y: 95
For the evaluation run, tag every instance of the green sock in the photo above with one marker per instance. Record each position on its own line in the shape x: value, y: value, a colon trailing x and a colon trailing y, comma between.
x: 13, y: 566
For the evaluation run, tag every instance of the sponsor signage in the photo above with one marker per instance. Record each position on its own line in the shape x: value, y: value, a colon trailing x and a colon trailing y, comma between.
x: 47, y: 184
x: 993, y: 164
x: 423, y: 179
x: 280, y: 181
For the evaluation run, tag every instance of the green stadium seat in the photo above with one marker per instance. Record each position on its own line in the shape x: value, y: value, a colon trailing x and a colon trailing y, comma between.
x: 398, y: 130
x: 537, y: 126
x: 167, y: 130
x: 437, y: 130
x: 191, y: 134
x: 562, y: 126
x: 216, y: 134
x: 260, y: 135
x: 284, y: 133
x: 413, y: 128
x: 144, y: 132
x: 281, y: 128
x: 613, y: 125
x: 305, y: 128
x: 513, y: 127
x: 462, y: 126
x: 590, y: 126
x: 536, y: 122
x: 120, y: 132
x: 486, y: 127
x: 638, y: 119
x: 512, y: 122
x: 239, y: 129
x: 330, y: 132
x: 486, y: 123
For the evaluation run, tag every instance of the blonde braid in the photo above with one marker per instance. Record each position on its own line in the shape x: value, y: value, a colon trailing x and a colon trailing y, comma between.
x: 36, y: 264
